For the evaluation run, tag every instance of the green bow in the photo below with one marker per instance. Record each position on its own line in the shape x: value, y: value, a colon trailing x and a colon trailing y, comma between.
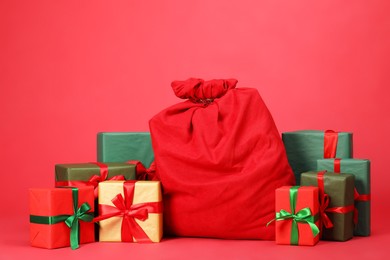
x: 72, y: 221
x: 303, y: 216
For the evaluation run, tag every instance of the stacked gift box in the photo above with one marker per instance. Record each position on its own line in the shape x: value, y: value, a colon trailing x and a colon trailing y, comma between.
x: 101, y: 201
x: 323, y: 160
x: 119, y: 199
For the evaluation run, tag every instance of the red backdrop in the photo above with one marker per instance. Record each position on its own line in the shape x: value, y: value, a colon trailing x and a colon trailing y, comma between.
x: 69, y: 69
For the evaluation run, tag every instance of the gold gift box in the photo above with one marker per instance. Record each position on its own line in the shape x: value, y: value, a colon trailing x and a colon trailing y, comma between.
x: 144, y: 191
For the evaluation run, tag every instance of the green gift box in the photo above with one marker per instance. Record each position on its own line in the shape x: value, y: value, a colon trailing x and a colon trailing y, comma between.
x: 125, y: 146
x: 360, y: 168
x: 340, y: 190
x: 304, y: 147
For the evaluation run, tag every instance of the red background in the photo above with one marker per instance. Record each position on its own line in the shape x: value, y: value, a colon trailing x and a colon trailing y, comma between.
x: 69, y: 69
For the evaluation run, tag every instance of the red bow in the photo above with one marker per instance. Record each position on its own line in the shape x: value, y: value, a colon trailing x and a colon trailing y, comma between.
x: 144, y: 174
x: 324, y: 203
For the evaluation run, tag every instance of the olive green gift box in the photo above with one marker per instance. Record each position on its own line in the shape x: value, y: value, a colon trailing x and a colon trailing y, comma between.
x: 84, y: 171
x: 125, y: 146
x: 340, y: 189
x: 305, y: 147
x: 361, y: 169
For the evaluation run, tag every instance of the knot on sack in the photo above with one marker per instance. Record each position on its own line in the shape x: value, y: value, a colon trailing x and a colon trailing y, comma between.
x: 201, y: 91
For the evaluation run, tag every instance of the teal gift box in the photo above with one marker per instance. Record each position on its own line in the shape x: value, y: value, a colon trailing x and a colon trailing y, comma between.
x: 125, y: 146
x: 361, y: 168
x: 305, y: 147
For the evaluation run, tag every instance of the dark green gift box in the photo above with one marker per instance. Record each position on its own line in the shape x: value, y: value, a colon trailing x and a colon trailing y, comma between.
x: 360, y: 168
x: 84, y: 171
x: 340, y: 189
x: 125, y: 146
x: 304, y: 147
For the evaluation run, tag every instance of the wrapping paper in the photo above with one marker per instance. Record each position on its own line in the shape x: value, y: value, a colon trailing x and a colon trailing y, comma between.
x: 144, y: 192
x: 54, y: 202
x: 305, y: 147
x: 125, y: 146
x: 360, y: 168
x: 307, y: 197
x: 340, y: 189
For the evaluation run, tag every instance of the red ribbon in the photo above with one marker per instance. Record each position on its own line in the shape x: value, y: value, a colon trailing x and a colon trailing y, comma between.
x: 356, y: 196
x: 94, y: 180
x: 324, y: 203
x: 144, y: 174
x: 330, y: 143
x: 363, y: 197
x: 336, y: 165
x: 125, y: 208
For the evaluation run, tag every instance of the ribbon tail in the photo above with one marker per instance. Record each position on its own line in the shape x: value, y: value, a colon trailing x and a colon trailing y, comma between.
x: 74, y: 235
x: 126, y: 230
x: 294, y: 233
x: 314, y: 229
x: 138, y: 233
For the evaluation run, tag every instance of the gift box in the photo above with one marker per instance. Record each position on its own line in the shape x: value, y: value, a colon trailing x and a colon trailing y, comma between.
x: 61, y: 217
x: 297, y: 219
x: 90, y: 174
x: 130, y: 211
x: 336, y: 193
x: 125, y: 146
x: 360, y: 168
x: 305, y: 147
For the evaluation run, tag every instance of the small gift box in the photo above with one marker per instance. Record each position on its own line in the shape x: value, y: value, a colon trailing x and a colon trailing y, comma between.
x: 130, y: 211
x: 305, y: 147
x: 336, y: 193
x: 297, y: 219
x: 360, y: 168
x: 90, y: 174
x: 125, y: 146
x: 61, y: 217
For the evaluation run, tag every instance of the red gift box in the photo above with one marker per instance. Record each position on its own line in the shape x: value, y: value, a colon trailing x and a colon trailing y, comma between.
x: 51, y: 205
x: 297, y: 215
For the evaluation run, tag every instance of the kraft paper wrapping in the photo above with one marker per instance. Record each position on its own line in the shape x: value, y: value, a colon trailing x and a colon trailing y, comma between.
x: 145, y: 191
x: 304, y: 147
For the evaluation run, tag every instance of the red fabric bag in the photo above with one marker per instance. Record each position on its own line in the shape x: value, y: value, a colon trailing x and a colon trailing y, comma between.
x: 219, y: 157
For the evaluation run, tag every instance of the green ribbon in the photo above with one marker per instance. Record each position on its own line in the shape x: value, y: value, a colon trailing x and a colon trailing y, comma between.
x: 72, y: 221
x: 303, y: 216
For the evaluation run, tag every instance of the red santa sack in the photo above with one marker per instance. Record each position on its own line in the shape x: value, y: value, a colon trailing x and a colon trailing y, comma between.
x: 219, y: 157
